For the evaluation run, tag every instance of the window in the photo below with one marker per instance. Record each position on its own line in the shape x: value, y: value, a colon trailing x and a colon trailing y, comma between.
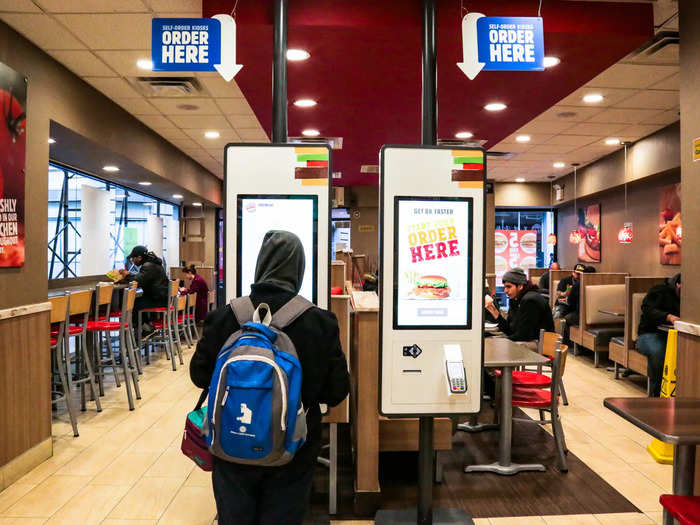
x: 130, y: 218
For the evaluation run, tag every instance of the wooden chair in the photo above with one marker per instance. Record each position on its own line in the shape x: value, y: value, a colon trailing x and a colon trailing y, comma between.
x: 684, y: 509
x: 181, y: 326
x: 190, y: 318
x: 211, y: 301
x: 58, y: 319
x: 547, y: 401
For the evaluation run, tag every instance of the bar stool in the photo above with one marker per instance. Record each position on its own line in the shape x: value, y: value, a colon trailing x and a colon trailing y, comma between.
x: 165, y: 327
x: 181, y: 325
x: 103, y: 303
x: 127, y: 354
x: 59, y: 316
x: 211, y: 300
x: 191, y: 317
x: 79, y: 313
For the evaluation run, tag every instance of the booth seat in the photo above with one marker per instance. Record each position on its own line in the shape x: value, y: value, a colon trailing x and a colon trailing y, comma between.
x: 600, y: 327
x: 624, y: 353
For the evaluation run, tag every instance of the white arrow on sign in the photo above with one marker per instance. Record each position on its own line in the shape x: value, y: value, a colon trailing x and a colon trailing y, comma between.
x: 228, y: 67
x: 470, y: 46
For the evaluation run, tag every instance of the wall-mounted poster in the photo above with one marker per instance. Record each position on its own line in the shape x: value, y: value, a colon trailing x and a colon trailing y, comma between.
x: 13, y: 97
x: 670, y: 228
x: 589, y: 229
x: 514, y: 248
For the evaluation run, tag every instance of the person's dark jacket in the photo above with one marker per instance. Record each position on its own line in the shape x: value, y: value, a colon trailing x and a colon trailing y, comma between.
x: 526, y: 316
x: 543, y: 283
x: 564, y: 284
x: 200, y: 287
x: 151, y: 277
x: 315, y: 335
x: 660, y: 301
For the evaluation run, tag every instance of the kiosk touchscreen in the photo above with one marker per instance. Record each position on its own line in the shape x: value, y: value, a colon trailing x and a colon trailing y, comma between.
x: 432, y: 275
x: 277, y: 187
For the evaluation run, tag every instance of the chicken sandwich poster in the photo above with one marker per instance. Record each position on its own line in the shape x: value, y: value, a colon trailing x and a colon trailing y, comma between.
x: 433, y: 258
x: 13, y: 96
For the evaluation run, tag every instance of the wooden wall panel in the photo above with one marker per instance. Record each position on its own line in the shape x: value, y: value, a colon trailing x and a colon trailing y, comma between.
x: 25, y: 388
x: 688, y: 380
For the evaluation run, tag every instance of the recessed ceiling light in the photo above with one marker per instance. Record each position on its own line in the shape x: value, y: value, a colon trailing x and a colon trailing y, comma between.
x: 111, y: 169
x: 212, y: 134
x: 495, y: 106
x: 145, y: 183
x: 145, y: 63
x: 464, y: 135
x: 305, y: 103
x: 522, y: 138
x: 177, y: 196
x: 196, y: 204
x: 311, y: 133
x: 52, y: 141
x: 297, y: 54
x: 520, y: 179
x: 551, y: 61
x: 558, y: 164
x: 612, y: 142
x: 593, y: 98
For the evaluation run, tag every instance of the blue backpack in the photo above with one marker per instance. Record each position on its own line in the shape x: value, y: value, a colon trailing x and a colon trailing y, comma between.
x: 255, y: 415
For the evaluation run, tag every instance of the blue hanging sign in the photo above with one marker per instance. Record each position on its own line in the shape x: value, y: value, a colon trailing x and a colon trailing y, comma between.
x: 195, y: 44
x: 501, y: 43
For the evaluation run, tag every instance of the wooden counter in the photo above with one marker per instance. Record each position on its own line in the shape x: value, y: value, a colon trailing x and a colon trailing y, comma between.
x: 688, y: 372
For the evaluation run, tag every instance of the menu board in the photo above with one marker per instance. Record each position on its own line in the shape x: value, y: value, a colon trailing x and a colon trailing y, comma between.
x: 514, y: 248
x: 432, y: 262
x: 258, y: 214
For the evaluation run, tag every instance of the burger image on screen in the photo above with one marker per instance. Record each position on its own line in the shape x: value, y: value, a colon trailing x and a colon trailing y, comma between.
x: 500, y: 242
x: 528, y: 243
x: 431, y: 287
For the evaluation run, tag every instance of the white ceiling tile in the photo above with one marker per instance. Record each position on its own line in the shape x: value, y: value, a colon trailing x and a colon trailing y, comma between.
x: 514, y: 147
x: 538, y: 157
x: 177, y: 6
x: 571, y: 140
x: 218, y: 87
x: 179, y: 106
x: 624, y: 116
x: 632, y: 76
x: 226, y: 136
x: 561, y: 113
x: 93, y: 6
x: 218, y: 154
x: 594, y: 129
x: 213, y: 122
x: 234, y: 106
x: 244, y: 122
x: 110, y: 31
x: 174, y: 134
x: 551, y: 148
x: 18, y: 6
x: 541, y: 127
x: 157, y: 122
x: 652, y: 99
x: 535, y: 138
x: 137, y: 106
x: 664, y: 118
x: 673, y: 82
x: 42, y: 30
x: 610, y: 96
x: 253, y: 135
x: 638, y: 131
x: 184, y: 143
x: 124, y: 63
x: 82, y: 63
x: 113, y: 87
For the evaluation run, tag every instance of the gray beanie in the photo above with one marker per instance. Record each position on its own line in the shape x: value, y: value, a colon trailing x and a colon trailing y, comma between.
x: 515, y: 275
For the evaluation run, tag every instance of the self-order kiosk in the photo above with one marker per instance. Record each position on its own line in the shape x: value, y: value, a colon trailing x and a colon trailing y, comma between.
x: 431, y: 280
x: 277, y: 187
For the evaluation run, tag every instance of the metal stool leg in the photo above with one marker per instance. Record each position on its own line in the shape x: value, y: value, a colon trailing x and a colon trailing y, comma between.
x: 90, y: 374
x: 123, y: 352
x: 112, y: 359
x: 57, y: 353
x: 564, y: 399
x: 176, y: 329
x: 133, y: 364
x: 333, y: 470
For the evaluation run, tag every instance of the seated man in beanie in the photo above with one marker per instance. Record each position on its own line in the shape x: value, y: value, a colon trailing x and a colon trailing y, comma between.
x: 561, y: 308
x: 662, y: 305
x: 573, y: 301
x: 529, y: 311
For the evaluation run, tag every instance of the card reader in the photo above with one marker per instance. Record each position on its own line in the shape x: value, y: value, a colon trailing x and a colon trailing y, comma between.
x: 454, y: 368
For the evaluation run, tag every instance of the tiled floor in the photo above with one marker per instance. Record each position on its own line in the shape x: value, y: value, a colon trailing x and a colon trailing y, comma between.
x: 127, y: 469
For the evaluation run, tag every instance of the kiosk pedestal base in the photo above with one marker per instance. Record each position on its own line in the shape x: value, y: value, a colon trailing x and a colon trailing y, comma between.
x: 410, y: 516
x: 507, y: 470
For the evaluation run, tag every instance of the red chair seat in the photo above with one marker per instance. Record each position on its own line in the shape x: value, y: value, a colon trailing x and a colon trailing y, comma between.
x: 158, y: 309
x: 686, y: 509
x: 531, y: 397
x: 524, y: 378
x: 54, y: 341
x: 158, y: 325
x: 72, y: 330
x: 180, y: 318
x: 115, y: 313
x: 99, y: 326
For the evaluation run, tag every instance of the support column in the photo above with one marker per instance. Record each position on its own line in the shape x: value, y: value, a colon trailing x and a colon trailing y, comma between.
x: 279, y: 74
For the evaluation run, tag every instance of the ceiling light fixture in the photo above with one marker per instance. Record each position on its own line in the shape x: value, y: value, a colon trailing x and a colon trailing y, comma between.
x: 305, y: 103
x: 196, y: 204
x: 520, y: 179
x: 110, y: 169
x: 464, y: 135
x: 145, y: 63
x: 551, y: 61
x: 495, y: 106
x: 593, y: 98
x: 52, y: 141
x: 177, y: 196
x: 558, y: 164
x: 612, y: 142
x: 145, y: 183
x: 296, y: 55
x: 311, y: 133
x: 212, y: 134
x: 523, y: 138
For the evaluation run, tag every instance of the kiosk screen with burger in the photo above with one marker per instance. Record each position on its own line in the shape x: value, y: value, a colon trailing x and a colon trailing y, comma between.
x: 432, y: 262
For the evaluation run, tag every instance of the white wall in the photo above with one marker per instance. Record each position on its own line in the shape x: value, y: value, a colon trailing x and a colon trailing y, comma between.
x: 95, y: 225
x: 154, y: 235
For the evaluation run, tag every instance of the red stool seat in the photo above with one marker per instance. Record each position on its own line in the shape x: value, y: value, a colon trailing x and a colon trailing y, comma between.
x: 529, y: 379
x: 54, y: 341
x: 157, y: 309
x: 686, y: 509
x: 72, y: 330
x: 531, y: 397
x: 158, y: 325
x: 115, y: 313
x: 99, y: 326
x: 181, y: 317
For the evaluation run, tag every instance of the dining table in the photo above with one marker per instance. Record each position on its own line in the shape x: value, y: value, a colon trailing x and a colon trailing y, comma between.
x: 501, y: 352
x: 674, y: 420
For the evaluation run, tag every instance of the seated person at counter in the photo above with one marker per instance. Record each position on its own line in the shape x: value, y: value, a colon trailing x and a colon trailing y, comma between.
x: 571, y: 302
x: 543, y: 283
x: 662, y: 305
x: 195, y: 284
x: 528, y: 312
x: 564, y: 289
x: 152, y: 280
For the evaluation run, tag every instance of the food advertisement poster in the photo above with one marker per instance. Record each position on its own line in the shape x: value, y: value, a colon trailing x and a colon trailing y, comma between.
x: 589, y: 229
x: 433, y: 263
x: 670, y: 227
x: 13, y: 141
x: 514, y: 248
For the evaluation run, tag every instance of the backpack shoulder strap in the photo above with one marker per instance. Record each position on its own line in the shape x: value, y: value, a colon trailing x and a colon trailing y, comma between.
x: 243, y: 310
x: 290, y: 312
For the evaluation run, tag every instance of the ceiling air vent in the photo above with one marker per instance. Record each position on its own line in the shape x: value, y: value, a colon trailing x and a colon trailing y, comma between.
x: 333, y: 142
x: 501, y: 155
x: 662, y: 49
x: 168, y: 86
x: 472, y: 143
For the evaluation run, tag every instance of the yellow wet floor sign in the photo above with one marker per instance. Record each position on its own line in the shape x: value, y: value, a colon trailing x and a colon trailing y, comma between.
x: 660, y: 451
